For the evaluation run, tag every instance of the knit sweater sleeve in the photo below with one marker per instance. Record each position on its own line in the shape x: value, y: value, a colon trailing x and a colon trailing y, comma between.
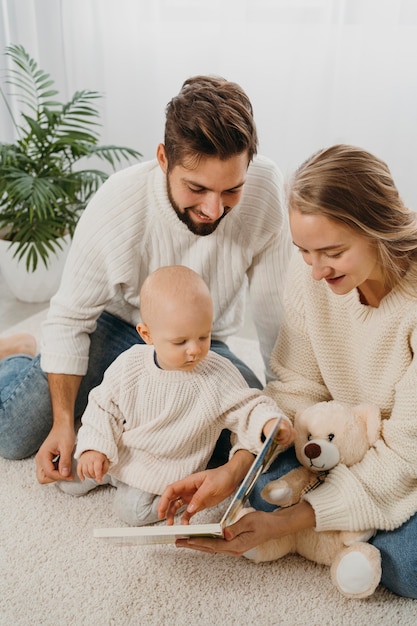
x: 243, y: 410
x: 98, y: 274
x: 103, y: 420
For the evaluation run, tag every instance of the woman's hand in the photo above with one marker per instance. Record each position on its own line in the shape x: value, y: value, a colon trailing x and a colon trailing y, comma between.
x: 248, y: 532
x: 203, y: 489
x: 253, y: 529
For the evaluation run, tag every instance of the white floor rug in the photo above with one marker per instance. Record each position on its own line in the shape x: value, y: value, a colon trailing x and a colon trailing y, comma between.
x: 53, y: 572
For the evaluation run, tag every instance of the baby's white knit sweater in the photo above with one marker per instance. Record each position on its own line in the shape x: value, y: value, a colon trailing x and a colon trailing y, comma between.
x: 158, y: 426
x: 130, y: 229
x: 333, y: 347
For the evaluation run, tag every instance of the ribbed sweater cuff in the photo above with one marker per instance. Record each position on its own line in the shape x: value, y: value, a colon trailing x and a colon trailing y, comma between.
x: 54, y: 364
x: 337, y: 507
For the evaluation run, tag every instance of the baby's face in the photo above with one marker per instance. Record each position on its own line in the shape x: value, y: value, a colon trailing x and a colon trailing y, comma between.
x: 182, y: 340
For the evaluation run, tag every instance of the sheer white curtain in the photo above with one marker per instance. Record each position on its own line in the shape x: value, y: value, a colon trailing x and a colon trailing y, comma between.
x: 318, y: 71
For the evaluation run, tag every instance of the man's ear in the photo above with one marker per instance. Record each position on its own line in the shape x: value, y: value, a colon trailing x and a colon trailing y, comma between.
x: 162, y: 158
x: 145, y: 333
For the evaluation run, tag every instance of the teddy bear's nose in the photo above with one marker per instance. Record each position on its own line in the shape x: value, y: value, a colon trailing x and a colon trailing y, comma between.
x: 312, y: 450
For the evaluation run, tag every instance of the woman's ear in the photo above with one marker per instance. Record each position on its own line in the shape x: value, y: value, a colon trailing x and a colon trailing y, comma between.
x: 145, y: 333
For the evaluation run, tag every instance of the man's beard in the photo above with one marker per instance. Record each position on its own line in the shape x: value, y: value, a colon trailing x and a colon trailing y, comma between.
x: 184, y: 215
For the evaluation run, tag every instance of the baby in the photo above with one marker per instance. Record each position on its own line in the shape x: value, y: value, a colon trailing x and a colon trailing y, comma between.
x: 161, y: 407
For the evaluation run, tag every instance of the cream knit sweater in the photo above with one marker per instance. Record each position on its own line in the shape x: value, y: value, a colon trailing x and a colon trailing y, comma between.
x: 158, y: 426
x: 130, y: 228
x: 333, y: 346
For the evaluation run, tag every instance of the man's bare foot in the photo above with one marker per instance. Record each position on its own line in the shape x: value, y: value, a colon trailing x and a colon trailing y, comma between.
x: 21, y: 343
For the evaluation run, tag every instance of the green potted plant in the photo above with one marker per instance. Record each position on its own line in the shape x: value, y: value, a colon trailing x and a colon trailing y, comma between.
x: 44, y: 186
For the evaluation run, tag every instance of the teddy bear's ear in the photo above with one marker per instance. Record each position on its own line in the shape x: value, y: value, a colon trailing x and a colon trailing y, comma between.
x: 371, y: 417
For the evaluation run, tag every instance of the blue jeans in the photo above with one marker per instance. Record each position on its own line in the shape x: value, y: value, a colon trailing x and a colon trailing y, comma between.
x: 25, y: 407
x: 398, y: 547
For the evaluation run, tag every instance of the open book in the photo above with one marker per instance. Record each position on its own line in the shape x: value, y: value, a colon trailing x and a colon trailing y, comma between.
x: 168, y: 534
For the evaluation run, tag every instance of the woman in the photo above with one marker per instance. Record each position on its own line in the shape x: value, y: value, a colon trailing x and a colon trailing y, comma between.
x: 350, y: 335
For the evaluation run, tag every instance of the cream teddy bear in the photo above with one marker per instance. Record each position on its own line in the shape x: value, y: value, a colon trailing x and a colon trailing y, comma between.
x: 328, y: 433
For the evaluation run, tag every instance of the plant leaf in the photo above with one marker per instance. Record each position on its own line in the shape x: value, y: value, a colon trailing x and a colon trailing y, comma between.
x: 43, y: 185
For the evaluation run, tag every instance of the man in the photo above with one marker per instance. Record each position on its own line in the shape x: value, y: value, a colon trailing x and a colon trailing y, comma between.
x: 168, y: 211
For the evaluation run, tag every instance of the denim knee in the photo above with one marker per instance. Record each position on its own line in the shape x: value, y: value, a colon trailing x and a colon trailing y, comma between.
x: 398, y: 550
x: 25, y: 407
x: 282, y: 465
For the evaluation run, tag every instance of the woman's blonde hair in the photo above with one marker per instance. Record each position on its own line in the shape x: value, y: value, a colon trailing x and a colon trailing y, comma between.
x: 350, y: 185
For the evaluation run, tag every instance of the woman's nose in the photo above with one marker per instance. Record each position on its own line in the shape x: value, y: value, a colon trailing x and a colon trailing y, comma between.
x: 320, y: 270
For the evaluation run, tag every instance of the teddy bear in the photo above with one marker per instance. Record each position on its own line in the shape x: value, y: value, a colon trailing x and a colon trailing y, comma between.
x: 328, y: 433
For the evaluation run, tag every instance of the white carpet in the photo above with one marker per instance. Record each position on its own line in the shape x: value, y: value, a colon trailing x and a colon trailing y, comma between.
x: 52, y: 571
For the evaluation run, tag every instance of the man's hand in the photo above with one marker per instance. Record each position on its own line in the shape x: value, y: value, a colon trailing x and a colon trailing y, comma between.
x: 54, y: 458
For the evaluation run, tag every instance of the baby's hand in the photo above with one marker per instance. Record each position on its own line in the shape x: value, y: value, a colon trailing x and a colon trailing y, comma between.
x: 286, y: 433
x: 92, y: 464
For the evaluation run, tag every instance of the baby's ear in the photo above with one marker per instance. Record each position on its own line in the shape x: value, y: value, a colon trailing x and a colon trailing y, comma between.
x: 144, y: 332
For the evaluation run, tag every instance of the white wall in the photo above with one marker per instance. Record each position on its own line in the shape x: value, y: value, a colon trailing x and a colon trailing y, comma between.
x: 317, y: 71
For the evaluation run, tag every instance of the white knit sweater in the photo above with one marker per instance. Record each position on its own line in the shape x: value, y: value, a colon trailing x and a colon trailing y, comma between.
x: 158, y: 426
x: 332, y: 346
x: 130, y: 228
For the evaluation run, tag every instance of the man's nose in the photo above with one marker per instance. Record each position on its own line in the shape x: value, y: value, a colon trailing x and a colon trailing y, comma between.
x: 213, y: 206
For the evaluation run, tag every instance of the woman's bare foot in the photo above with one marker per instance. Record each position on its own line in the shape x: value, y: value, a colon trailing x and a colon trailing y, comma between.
x: 21, y: 343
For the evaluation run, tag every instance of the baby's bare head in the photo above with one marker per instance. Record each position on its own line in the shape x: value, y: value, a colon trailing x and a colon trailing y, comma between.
x: 173, y: 290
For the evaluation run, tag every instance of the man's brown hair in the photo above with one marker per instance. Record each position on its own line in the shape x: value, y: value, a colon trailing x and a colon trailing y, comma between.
x: 209, y: 117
